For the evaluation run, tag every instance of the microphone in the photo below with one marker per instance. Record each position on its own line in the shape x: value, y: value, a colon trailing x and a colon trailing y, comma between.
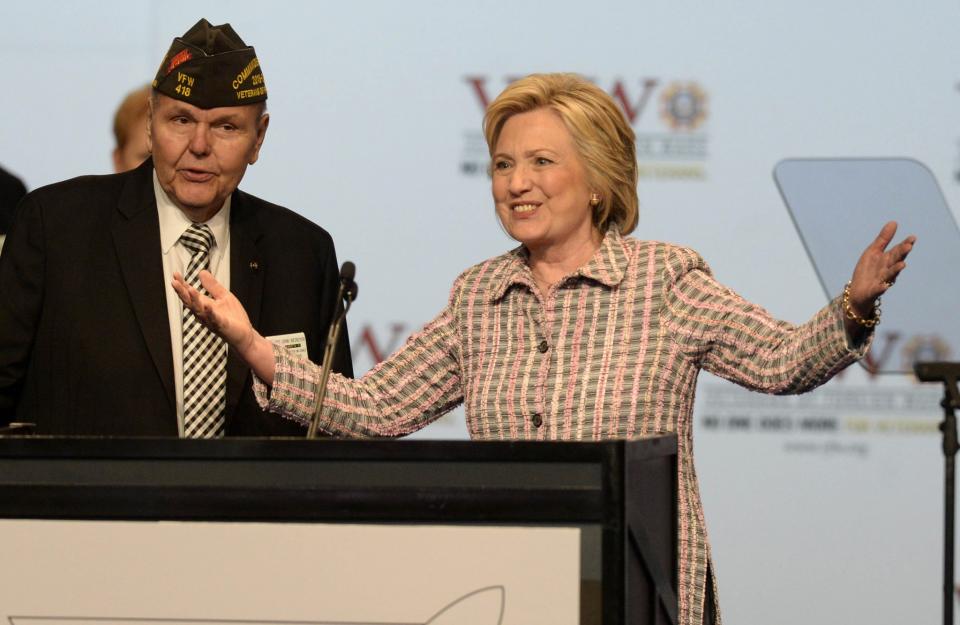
x: 936, y: 371
x: 347, y: 271
x: 946, y: 372
x: 346, y: 294
x: 346, y: 280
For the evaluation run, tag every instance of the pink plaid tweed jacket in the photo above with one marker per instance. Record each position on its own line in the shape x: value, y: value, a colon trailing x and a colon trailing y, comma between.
x: 611, y: 351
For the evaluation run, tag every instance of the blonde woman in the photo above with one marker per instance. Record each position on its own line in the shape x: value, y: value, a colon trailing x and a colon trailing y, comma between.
x: 582, y: 332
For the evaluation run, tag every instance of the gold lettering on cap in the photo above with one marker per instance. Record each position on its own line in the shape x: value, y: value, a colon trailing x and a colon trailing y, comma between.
x: 242, y: 76
x: 245, y: 94
x: 184, y: 84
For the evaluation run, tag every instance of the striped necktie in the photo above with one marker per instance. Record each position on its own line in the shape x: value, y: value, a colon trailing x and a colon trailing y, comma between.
x: 204, y: 353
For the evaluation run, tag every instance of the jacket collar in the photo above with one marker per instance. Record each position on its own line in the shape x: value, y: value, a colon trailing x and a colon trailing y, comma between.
x: 607, y: 266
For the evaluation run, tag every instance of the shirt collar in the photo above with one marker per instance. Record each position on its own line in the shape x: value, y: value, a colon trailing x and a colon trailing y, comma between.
x: 607, y: 266
x: 173, y: 223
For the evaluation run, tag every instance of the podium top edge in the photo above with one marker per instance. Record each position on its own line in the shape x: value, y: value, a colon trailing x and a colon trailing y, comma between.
x: 328, y: 448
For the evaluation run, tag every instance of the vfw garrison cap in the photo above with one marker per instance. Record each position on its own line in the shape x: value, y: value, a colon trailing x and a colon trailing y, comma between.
x: 210, y: 66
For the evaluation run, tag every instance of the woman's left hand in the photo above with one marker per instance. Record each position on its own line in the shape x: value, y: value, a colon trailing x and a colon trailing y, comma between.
x: 877, y: 270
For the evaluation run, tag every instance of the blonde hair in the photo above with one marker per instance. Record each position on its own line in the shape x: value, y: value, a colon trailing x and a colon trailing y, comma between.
x: 132, y: 109
x: 604, y: 139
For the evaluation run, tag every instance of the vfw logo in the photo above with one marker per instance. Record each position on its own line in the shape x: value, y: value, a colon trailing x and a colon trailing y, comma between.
x: 669, y: 118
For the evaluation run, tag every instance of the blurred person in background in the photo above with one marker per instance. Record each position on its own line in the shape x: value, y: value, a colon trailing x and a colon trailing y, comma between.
x: 131, y: 146
x: 12, y: 191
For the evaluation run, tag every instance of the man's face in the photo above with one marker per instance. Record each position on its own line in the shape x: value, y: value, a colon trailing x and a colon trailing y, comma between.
x: 200, y: 155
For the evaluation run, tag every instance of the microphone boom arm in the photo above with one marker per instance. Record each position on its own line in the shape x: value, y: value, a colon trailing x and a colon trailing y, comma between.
x: 346, y: 293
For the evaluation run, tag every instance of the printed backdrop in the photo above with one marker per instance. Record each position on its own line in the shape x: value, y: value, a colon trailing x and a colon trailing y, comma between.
x: 824, y: 508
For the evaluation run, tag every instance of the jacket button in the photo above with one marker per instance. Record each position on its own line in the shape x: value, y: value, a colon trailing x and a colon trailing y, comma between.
x: 543, y: 346
x: 537, y: 420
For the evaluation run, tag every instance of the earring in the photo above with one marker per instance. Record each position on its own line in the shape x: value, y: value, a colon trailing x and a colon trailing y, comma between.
x: 594, y: 200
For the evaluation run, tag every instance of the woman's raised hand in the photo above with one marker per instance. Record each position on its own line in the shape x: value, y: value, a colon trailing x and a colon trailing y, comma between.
x: 876, y: 271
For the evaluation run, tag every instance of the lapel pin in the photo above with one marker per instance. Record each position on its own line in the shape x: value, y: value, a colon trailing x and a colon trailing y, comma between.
x: 254, y: 265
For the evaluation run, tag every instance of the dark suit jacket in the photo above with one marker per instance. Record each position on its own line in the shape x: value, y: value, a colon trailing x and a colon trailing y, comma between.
x: 84, y: 335
x: 12, y: 191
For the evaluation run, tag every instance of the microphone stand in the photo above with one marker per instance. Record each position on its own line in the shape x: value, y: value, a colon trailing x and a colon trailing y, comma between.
x: 947, y: 373
x: 346, y: 293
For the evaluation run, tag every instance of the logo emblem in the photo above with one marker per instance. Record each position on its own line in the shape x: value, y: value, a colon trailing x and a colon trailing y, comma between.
x: 179, y: 58
x: 683, y: 105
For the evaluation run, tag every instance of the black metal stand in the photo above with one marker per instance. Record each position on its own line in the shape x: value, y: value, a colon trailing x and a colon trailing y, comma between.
x: 948, y: 374
x: 347, y: 293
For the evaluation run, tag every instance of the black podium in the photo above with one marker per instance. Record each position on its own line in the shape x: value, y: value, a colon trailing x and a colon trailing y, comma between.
x: 621, y: 494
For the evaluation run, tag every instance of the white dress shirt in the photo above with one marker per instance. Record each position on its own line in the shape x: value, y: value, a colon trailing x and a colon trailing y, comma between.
x: 176, y: 258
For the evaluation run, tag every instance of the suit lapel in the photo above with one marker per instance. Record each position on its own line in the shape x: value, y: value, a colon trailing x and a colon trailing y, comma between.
x: 136, y: 236
x: 246, y: 282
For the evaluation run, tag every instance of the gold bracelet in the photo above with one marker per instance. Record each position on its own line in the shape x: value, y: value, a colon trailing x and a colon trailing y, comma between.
x: 852, y: 314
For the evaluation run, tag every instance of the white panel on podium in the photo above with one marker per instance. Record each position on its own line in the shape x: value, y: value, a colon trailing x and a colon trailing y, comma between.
x: 119, y: 573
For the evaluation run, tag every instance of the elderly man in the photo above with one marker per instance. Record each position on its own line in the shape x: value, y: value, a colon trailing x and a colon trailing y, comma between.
x: 93, y: 340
